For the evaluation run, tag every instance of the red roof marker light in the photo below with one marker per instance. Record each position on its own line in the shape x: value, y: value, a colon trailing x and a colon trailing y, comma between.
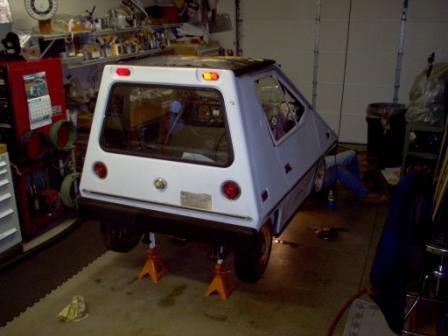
x: 123, y: 72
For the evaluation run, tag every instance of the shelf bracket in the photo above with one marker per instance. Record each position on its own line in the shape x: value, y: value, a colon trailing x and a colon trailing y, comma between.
x: 42, y: 55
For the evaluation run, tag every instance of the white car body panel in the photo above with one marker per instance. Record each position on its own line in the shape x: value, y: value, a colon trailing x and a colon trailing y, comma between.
x: 258, y: 165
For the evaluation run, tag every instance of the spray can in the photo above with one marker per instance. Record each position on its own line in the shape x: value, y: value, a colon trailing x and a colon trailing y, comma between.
x: 330, y: 199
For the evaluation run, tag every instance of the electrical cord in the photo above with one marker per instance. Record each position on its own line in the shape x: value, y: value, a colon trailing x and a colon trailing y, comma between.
x: 342, y: 310
x: 347, y: 41
x: 341, y: 105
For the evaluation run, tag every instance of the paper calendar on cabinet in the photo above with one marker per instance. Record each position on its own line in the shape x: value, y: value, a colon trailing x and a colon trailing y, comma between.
x: 40, y: 111
x: 39, y: 102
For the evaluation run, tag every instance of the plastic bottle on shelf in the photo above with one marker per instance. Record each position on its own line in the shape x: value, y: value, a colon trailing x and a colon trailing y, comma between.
x: 115, y: 51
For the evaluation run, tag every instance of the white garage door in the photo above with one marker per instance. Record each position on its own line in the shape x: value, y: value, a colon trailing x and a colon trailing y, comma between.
x: 358, y: 44
x: 285, y: 30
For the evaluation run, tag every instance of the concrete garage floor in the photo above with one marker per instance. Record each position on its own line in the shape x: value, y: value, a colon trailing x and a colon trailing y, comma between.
x: 306, y: 282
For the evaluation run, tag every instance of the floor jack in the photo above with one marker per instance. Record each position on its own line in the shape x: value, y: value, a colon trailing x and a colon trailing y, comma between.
x: 154, y: 266
x: 221, y: 282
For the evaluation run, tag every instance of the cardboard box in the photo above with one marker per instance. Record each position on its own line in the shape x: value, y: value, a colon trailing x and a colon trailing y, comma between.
x: 196, y: 49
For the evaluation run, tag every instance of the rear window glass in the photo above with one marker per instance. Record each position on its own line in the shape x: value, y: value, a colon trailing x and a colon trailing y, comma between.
x: 173, y: 123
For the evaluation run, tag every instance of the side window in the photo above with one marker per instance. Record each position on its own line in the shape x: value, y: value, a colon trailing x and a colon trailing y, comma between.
x: 296, y: 108
x: 281, y: 109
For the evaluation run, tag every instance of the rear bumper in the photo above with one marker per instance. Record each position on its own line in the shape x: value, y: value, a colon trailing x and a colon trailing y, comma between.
x: 164, y: 223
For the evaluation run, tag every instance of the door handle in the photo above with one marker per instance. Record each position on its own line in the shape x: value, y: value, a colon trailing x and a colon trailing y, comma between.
x: 288, y: 168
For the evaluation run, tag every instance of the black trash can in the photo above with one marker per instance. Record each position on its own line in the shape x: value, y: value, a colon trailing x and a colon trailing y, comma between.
x: 385, y: 133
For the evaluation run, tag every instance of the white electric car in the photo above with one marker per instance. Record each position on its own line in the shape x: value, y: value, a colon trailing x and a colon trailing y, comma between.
x: 217, y: 149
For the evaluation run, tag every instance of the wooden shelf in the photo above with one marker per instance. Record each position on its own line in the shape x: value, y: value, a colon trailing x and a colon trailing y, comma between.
x: 423, y: 155
x: 425, y: 127
x: 431, y: 154
x: 78, y: 61
x: 59, y: 36
x: 113, y: 59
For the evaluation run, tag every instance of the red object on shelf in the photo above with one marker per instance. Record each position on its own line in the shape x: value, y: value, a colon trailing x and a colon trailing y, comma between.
x: 33, y: 145
x: 170, y: 14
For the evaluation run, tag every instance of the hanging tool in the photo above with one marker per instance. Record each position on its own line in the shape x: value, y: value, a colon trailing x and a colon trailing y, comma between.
x: 35, y: 197
x: 90, y: 13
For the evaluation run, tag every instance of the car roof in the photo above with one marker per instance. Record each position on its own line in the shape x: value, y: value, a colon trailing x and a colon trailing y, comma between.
x: 239, y: 65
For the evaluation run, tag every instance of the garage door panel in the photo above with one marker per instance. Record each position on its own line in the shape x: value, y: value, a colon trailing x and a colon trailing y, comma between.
x: 335, y: 10
x: 333, y: 35
x: 286, y: 36
x: 331, y: 68
x: 329, y: 97
x: 368, y: 9
x: 429, y: 10
x: 374, y: 35
x: 281, y: 10
x: 299, y: 67
x: 353, y: 128
x: 331, y: 117
x: 418, y: 40
x: 368, y: 70
x: 358, y: 96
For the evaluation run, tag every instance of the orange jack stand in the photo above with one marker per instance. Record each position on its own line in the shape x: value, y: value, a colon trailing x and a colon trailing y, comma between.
x: 220, y: 283
x: 154, y: 266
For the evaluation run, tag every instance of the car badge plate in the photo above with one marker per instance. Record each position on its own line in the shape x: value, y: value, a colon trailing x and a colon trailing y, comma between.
x: 196, y: 200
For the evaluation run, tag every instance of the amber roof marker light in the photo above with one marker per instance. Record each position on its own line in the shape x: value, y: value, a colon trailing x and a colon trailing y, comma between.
x: 210, y: 76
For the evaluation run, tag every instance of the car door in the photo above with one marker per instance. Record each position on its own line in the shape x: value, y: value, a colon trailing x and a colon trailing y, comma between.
x: 293, y: 134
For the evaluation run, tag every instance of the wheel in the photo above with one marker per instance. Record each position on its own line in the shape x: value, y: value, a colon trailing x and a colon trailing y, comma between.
x: 118, y: 237
x: 251, y: 259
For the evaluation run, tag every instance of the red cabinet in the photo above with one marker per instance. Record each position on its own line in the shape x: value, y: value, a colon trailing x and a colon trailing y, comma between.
x: 32, y: 99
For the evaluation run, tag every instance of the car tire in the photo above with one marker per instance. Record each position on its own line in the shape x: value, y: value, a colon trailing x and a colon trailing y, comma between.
x: 251, y: 259
x: 118, y: 237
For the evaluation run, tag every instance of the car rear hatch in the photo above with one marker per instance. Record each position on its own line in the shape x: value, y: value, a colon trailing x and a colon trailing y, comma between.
x: 170, y: 140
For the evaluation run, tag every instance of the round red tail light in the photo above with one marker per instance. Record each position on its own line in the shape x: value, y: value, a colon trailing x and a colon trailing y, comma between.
x: 231, y: 190
x: 100, y: 170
